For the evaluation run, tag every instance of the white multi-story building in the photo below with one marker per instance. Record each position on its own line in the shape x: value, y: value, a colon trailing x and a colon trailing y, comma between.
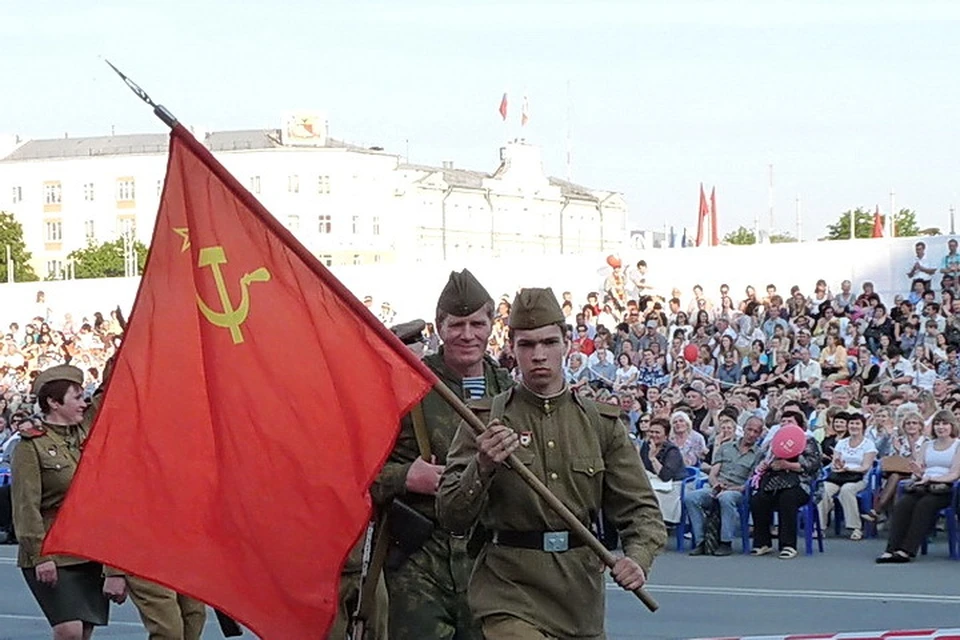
x: 347, y: 204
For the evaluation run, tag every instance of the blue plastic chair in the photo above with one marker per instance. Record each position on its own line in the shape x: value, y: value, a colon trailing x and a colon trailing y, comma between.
x: 864, y: 499
x: 692, y: 474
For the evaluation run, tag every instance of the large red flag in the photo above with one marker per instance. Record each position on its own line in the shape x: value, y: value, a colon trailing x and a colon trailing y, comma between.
x: 702, y: 217
x: 252, y: 403
x: 877, y: 224
x: 714, y: 230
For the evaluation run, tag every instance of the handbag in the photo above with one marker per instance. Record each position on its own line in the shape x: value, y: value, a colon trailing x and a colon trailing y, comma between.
x: 774, y: 481
x: 844, y: 477
x: 896, y: 464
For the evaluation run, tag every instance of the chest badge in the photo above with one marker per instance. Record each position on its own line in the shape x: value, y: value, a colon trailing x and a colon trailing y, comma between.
x: 52, y: 451
x: 526, y: 437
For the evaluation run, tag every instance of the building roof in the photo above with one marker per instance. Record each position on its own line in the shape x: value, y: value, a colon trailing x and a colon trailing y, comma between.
x: 572, y: 190
x: 151, y: 143
x: 139, y: 143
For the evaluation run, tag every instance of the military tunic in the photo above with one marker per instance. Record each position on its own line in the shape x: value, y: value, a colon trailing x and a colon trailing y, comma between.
x: 589, y: 467
x: 427, y: 592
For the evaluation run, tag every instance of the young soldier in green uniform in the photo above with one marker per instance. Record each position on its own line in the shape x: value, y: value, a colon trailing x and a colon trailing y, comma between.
x: 428, y: 587
x: 533, y: 579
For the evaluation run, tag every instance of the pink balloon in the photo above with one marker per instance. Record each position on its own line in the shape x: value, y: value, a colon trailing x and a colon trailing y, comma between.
x: 788, y: 442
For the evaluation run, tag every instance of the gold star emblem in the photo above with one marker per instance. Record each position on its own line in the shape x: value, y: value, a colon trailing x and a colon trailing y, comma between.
x: 183, y: 232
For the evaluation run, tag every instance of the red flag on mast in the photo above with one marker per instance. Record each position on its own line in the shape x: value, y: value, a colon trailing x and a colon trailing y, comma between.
x: 877, y: 224
x: 714, y: 230
x: 503, y: 106
x: 232, y: 455
x: 702, y: 217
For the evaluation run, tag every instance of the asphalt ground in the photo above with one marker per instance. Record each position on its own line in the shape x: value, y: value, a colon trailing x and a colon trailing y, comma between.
x: 840, y: 590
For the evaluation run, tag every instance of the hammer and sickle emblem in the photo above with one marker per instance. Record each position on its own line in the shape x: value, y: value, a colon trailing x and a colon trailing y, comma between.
x: 231, y: 317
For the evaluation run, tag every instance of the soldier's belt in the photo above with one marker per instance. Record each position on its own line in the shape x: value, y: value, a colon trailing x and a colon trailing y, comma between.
x: 552, y: 541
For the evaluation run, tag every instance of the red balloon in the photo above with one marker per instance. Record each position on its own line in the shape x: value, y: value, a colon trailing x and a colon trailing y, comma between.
x: 690, y: 353
x: 614, y: 261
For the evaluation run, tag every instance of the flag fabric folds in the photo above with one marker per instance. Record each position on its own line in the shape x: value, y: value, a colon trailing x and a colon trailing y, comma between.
x: 503, y: 107
x: 877, y: 224
x: 251, y: 405
x: 714, y: 227
x: 702, y: 218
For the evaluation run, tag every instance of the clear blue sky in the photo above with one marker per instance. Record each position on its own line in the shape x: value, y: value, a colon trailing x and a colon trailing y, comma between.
x: 847, y: 99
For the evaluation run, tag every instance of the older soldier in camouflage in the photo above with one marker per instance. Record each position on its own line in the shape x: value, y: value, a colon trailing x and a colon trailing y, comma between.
x: 428, y: 588
x: 533, y: 579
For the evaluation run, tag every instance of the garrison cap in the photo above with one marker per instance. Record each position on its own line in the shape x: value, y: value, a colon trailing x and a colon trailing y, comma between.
x: 534, y: 308
x: 463, y: 295
x: 59, y: 372
x: 409, y: 332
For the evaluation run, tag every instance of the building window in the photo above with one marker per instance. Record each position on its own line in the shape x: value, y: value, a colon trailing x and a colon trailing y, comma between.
x: 356, y: 259
x: 126, y: 190
x: 327, y: 259
x: 88, y: 192
x: 323, y: 184
x: 356, y: 224
x: 54, y: 269
x: 255, y: 184
x: 293, y: 223
x: 53, y: 231
x: 376, y: 225
x: 51, y: 193
x: 17, y: 195
x: 88, y: 229
x: 326, y: 223
x: 126, y: 226
x: 293, y: 184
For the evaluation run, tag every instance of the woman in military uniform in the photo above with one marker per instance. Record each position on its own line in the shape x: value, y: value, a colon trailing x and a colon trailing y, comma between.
x: 72, y: 592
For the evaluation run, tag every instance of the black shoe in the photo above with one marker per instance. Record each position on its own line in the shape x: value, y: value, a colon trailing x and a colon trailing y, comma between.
x: 724, y: 549
x: 698, y: 550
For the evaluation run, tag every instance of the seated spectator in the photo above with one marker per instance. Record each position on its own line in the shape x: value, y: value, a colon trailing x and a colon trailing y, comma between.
x: 732, y: 465
x: 783, y: 486
x: 726, y: 431
x: 626, y: 373
x: 602, y: 369
x: 835, y: 431
x: 934, y: 472
x: 852, y: 459
x: 583, y: 341
x: 729, y: 372
x: 806, y: 370
x: 904, y: 448
x: 833, y: 360
x: 754, y: 373
x: 665, y: 468
x: 704, y: 366
x: 691, y: 444
x: 576, y: 370
x: 896, y: 369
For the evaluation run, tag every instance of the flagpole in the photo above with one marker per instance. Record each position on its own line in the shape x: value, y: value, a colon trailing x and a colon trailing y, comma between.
x: 312, y: 263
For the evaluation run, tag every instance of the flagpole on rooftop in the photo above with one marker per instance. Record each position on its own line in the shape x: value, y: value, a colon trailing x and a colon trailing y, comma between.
x: 158, y: 109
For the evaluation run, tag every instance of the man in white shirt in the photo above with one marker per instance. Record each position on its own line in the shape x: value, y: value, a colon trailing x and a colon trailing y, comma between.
x: 921, y: 269
x: 807, y: 370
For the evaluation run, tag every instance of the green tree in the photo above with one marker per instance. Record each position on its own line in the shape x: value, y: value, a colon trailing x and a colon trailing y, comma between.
x: 104, y: 260
x: 11, y: 235
x: 779, y: 238
x: 905, y: 222
x: 741, y: 236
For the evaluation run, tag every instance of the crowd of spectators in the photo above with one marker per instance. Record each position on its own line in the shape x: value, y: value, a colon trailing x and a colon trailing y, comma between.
x: 705, y: 381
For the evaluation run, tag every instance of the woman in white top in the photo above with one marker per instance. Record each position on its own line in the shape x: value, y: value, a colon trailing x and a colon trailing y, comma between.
x: 852, y: 459
x: 903, y: 446
x: 936, y: 468
x: 691, y: 444
x: 626, y: 372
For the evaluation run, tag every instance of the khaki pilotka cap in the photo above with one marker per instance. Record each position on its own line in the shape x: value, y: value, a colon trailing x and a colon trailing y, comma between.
x: 463, y: 295
x: 535, y: 308
x: 59, y: 372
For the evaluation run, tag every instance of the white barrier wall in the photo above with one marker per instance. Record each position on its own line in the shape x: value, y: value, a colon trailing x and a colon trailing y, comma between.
x: 413, y: 289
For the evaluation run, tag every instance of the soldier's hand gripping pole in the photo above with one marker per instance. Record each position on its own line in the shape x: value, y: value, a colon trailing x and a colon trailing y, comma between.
x: 577, y: 527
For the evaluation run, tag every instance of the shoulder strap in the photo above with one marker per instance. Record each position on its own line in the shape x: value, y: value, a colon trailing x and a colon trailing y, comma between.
x: 593, y: 414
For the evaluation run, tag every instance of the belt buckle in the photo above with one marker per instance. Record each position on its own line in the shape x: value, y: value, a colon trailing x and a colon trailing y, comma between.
x: 556, y: 541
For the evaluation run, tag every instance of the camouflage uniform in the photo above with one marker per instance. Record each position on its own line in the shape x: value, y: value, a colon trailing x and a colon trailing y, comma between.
x: 428, y: 591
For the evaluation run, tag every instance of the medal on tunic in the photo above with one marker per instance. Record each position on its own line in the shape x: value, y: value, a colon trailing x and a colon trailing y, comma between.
x: 526, y: 437
x: 52, y: 451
